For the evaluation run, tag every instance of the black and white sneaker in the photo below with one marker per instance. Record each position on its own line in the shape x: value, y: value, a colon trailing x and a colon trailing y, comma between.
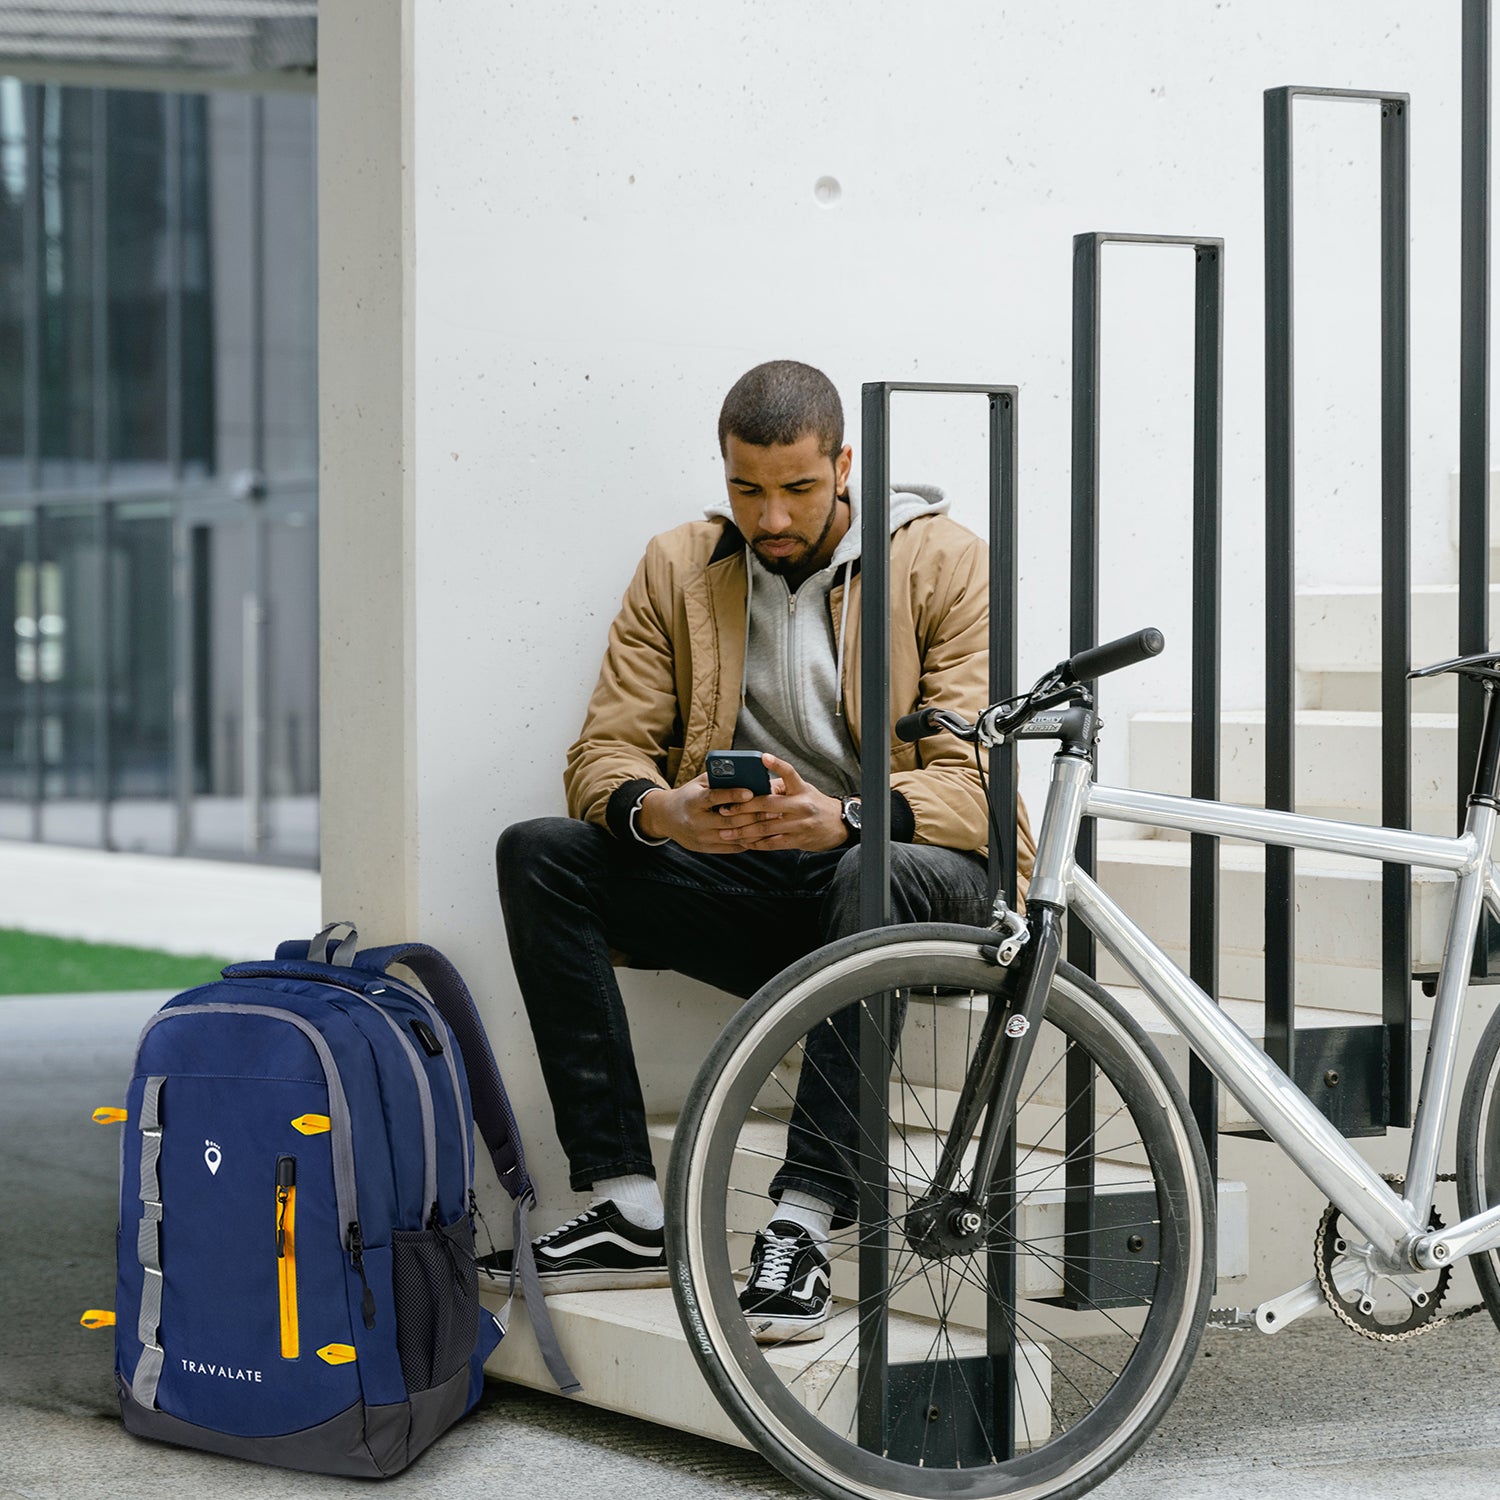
x: 599, y: 1250
x: 786, y: 1299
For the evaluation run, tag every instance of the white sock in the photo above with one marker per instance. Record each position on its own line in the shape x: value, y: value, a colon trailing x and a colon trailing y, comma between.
x: 815, y: 1215
x: 637, y: 1197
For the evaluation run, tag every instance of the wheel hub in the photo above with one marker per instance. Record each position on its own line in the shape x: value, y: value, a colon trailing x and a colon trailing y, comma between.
x: 945, y: 1224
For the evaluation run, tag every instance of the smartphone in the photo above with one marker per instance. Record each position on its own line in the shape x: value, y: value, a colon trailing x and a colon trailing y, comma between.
x: 745, y: 768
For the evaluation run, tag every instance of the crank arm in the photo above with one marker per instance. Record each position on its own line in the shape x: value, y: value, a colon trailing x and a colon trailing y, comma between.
x: 1273, y: 1316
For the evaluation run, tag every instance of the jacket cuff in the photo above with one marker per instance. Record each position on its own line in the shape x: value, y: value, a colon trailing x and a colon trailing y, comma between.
x: 903, y: 819
x: 621, y: 801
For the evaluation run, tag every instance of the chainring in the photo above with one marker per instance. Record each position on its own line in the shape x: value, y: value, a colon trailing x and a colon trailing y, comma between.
x: 1328, y: 1249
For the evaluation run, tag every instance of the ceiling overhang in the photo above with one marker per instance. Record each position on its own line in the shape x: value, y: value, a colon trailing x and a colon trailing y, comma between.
x: 162, y: 44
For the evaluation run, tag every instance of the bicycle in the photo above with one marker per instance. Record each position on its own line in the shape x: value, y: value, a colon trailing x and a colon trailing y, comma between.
x: 1030, y: 1273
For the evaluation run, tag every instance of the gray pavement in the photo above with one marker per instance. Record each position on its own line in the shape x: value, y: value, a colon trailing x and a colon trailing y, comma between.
x: 155, y: 901
x: 1312, y: 1412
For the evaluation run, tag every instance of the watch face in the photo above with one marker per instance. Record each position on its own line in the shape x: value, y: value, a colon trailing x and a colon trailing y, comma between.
x: 851, y: 812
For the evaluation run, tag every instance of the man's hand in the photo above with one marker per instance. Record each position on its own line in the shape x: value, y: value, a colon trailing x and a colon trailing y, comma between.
x: 795, y: 816
x: 691, y: 815
x: 731, y: 820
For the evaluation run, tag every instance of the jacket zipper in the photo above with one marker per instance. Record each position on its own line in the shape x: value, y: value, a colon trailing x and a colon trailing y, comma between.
x: 286, y: 1254
x: 794, y: 686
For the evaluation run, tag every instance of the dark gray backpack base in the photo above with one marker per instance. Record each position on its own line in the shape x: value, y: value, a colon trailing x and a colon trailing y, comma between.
x: 365, y: 1442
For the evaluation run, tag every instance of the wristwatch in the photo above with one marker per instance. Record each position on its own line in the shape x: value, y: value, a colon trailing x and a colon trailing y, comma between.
x: 849, y: 812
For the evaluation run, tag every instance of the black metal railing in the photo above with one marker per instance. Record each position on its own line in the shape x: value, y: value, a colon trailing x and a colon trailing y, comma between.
x: 1474, y: 384
x: 1208, y: 407
x: 1395, y: 526
x: 875, y: 868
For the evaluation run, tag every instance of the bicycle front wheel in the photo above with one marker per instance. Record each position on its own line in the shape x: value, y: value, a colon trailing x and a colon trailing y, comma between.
x: 1028, y: 1359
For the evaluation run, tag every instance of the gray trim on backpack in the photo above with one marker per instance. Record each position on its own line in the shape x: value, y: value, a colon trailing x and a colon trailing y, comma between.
x: 441, y: 1028
x: 424, y: 1097
x: 338, y: 1106
x: 148, y: 1245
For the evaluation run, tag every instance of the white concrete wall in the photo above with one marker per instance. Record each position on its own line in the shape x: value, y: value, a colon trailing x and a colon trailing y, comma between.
x: 554, y: 235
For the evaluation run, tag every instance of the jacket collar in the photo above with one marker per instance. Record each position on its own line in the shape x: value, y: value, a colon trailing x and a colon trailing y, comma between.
x: 730, y: 544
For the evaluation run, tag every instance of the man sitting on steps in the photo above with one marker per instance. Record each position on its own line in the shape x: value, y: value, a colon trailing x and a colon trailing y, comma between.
x: 736, y: 631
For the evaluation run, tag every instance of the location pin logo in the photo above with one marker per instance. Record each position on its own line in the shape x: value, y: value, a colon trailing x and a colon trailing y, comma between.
x: 213, y: 1156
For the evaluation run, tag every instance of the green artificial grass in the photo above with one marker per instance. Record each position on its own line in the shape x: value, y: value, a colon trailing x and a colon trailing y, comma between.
x: 34, y: 964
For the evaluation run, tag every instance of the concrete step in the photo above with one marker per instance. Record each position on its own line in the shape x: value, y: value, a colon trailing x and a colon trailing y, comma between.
x: 613, y: 1338
x: 1338, y: 759
x: 1338, y: 645
x: 1338, y: 629
x: 1249, y: 1016
x: 1338, y: 904
x: 913, y: 1157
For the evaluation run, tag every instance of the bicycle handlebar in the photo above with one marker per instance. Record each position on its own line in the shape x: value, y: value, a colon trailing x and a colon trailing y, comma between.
x: 1113, y: 656
x: 917, y: 726
x: 1053, y: 687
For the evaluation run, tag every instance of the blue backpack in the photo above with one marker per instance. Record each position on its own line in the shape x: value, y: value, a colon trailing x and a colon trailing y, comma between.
x: 297, y: 1275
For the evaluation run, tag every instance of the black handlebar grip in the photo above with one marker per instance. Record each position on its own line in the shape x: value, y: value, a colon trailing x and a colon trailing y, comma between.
x: 914, y: 727
x: 1113, y: 655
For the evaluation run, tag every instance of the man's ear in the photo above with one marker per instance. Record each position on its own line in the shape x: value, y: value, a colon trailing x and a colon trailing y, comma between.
x: 842, y: 464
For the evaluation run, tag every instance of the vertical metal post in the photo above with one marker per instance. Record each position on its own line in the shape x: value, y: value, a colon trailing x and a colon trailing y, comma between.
x: 1474, y: 385
x: 875, y: 876
x: 255, y: 656
x: 104, y: 770
x: 1208, y: 424
x: 1081, y: 1119
x: 1000, y: 1263
x: 1208, y: 366
x: 34, y: 695
x: 31, y: 411
x: 99, y: 360
x: 182, y: 682
x: 1280, y: 908
x: 1395, y: 629
x: 1004, y: 624
x: 1084, y: 607
x: 875, y: 907
x: 172, y: 140
x: 1395, y: 593
x: 99, y: 276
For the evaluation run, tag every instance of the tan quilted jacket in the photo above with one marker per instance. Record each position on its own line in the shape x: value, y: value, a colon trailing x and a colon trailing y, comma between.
x: 669, y: 689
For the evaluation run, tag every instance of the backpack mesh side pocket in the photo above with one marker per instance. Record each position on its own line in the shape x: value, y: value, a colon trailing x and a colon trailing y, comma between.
x: 436, y: 1287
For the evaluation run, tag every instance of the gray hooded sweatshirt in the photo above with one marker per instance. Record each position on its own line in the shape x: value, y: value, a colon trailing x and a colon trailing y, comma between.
x: 791, y: 702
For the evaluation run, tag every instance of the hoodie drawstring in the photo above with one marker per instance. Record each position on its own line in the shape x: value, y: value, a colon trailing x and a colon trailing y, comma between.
x: 838, y: 670
x: 749, y: 590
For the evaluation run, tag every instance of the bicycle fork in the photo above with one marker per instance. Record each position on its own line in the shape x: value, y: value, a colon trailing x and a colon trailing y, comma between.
x: 948, y: 1221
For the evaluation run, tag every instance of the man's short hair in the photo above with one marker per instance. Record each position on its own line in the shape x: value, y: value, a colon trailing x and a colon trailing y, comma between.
x: 779, y: 402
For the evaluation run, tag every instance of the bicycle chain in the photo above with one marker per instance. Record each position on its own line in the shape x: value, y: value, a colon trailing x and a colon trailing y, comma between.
x: 1330, y: 1293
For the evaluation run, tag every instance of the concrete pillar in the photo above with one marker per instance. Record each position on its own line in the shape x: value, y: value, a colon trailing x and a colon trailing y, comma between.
x: 367, y: 599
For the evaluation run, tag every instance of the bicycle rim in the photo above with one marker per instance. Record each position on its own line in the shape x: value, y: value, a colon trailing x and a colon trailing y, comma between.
x: 1479, y: 1154
x: 1039, y: 1393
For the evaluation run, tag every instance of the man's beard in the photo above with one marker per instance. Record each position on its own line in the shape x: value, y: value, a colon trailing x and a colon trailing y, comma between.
x: 799, y: 561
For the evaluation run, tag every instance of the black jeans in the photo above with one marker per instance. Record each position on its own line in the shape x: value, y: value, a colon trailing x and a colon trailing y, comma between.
x: 571, y: 891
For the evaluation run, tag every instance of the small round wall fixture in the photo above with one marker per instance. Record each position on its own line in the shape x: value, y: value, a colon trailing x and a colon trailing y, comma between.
x: 828, y: 191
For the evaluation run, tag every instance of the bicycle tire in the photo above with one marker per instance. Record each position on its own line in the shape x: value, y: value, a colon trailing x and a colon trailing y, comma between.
x: 1109, y: 1371
x: 1479, y: 1154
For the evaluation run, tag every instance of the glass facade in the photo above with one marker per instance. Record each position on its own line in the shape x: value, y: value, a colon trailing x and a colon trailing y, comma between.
x: 158, y: 463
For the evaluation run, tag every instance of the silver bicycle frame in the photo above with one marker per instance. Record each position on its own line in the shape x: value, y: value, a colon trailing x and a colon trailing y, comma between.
x: 1396, y: 1226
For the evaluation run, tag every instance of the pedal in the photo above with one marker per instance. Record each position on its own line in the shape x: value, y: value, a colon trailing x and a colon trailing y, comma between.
x: 1230, y: 1317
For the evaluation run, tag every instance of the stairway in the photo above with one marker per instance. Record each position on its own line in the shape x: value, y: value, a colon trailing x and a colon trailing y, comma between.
x: 1338, y: 899
x: 612, y: 1337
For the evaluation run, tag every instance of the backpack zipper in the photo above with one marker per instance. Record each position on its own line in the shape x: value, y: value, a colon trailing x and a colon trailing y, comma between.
x: 286, y: 1255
